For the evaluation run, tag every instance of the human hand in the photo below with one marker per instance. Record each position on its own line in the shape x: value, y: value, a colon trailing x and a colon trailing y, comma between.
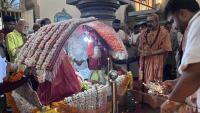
x: 182, y: 109
x: 169, y: 84
x: 12, y: 68
x: 145, y: 53
x: 192, y: 105
x: 168, y: 107
x: 190, y: 109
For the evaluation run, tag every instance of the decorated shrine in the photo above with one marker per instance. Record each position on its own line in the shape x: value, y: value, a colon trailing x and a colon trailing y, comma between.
x: 72, y: 60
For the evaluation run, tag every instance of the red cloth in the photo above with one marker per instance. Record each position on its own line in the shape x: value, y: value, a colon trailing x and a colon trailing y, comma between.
x: 90, y: 49
x: 95, y: 64
x: 8, y: 86
x: 64, y: 84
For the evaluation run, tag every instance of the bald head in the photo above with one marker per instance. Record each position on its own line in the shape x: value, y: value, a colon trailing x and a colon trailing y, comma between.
x: 153, y: 21
x: 22, y: 26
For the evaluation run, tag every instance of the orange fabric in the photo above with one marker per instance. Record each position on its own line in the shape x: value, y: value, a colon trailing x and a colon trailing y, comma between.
x: 90, y: 49
x: 153, y: 65
x: 11, y: 102
x: 108, y: 35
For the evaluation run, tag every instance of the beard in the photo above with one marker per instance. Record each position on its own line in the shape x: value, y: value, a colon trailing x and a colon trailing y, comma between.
x: 182, y: 28
x: 182, y: 25
x: 116, y: 29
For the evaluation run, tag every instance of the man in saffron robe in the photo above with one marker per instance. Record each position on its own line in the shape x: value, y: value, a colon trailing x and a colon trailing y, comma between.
x: 153, y: 46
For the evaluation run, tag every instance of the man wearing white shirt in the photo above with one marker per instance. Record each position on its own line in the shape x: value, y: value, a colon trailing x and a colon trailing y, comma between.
x: 116, y: 24
x: 187, y: 17
x: 134, y: 36
x: 131, y: 47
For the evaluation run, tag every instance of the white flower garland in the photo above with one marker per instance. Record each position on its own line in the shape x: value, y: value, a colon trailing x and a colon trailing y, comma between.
x: 37, y: 41
x: 30, y: 44
x: 47, y: 46
x: 55, y: 47
x: 60, y: 41
x: 33, y: 54
x: 62, y: 38
x: 19, y: 55
x: 92, y: 99
x: 40, y: 49
x: 22, y: 104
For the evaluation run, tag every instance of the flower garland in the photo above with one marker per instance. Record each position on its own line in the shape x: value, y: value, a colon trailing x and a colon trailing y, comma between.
x: 57, y: 107
x: 102, y: 94
x: 19, y: 55
x: 42, y: 71
x: 35, y: 51
x: 63, y: 39
x: 30, y: 60
x: 91, y: 100
x: 40, y: 48
x: 122, y: 84
x: 130, y: 78
x: 28, y: 45
x: 27, y: 49
x: 22, y: 104
x: 16, y: 77
x: 48, y: 45
x: 10, y: 100
x: 36, y: 42
x: 55, y: 46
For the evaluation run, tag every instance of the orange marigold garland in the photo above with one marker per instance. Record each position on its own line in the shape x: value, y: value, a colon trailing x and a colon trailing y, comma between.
x: 11, y: 102
x: 16, y: 77
x: 58, y: 107
x: 130, y: 78
x: 124, y: 85
x: 9, y: 98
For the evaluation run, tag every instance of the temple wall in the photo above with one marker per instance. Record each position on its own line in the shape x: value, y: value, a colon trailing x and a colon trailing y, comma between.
x: 48, y: 8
